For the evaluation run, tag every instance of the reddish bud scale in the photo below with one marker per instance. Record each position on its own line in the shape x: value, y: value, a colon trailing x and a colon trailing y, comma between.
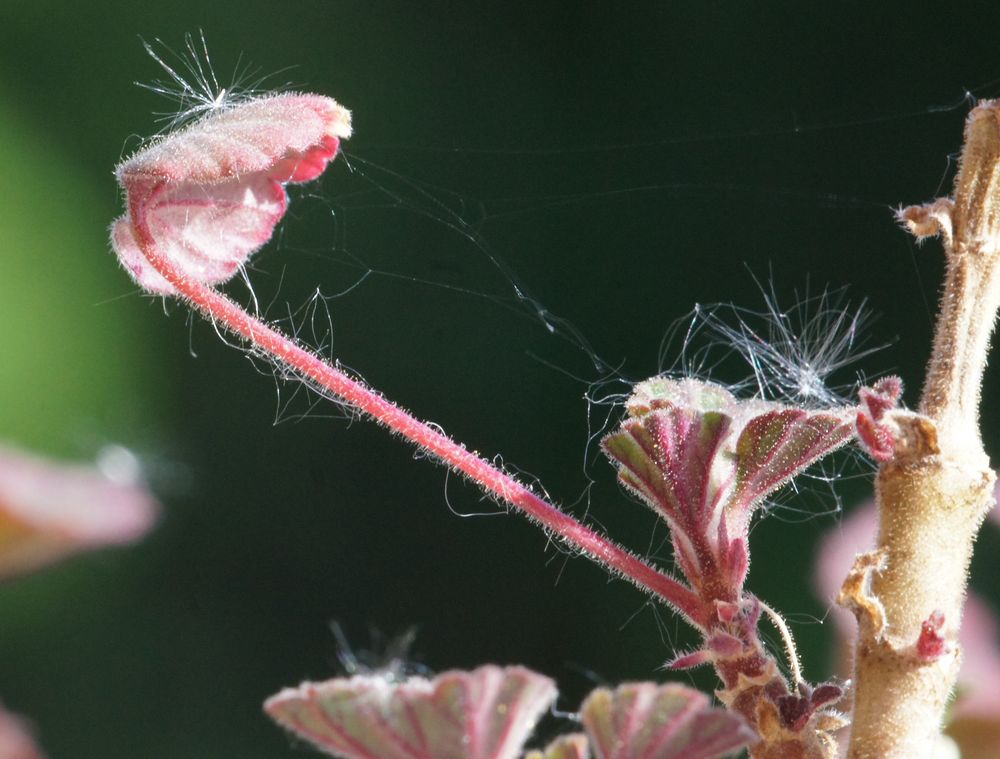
x: 690, y: 660
x: 874, y: 433
x: 875, y: 438
x: 931, y: 644
x: 724, y: 644
x: 796, y: 709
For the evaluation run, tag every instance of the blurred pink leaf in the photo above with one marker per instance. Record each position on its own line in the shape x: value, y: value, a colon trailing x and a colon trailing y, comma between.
x: 15, y: 740
x: 672, y: 721
x: 487, y: 713
x: 50, y: 510
x: 974, y: 721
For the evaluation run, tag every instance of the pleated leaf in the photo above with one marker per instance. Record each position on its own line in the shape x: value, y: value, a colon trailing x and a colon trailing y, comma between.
x: 485, y: 714
x: 776, y: 446
x: 668, y: 451
x: 650, y: 721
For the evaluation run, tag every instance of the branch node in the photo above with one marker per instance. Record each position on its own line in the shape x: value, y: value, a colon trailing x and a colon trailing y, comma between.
x: 856, y: 595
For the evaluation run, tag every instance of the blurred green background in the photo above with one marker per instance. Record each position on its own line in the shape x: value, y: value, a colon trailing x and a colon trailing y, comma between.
x: 623, y: 161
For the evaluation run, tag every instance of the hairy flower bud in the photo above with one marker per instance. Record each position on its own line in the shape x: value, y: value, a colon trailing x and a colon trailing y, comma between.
x: 213, y: 192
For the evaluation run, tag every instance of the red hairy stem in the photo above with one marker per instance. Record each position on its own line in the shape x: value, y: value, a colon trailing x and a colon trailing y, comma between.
x: 281, y: 348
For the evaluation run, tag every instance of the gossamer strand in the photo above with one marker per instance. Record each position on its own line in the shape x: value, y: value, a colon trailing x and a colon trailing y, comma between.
x: 202, y: 200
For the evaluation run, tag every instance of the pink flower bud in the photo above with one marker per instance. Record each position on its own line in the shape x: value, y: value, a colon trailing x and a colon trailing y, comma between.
x: 213, y: 192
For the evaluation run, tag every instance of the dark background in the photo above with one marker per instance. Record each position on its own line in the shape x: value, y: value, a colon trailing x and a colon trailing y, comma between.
x: 623, y: 160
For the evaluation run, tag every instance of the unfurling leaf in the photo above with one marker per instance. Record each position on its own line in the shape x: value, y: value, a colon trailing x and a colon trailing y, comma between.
x: 704, y: 461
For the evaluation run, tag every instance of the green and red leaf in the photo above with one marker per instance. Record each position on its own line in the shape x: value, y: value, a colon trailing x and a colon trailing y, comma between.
x: 487, y: 713
x: 774, y: 447
x: 650, y: 721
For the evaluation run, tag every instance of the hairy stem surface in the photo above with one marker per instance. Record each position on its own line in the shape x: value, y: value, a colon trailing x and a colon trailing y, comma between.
x: 333, y: 381
x: 936, y: 489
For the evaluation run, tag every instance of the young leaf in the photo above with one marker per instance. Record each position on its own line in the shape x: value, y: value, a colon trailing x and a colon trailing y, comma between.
x: 775, y: 446
x: 674, y: 452
x: 672, y: 721
x: 487, y: 713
